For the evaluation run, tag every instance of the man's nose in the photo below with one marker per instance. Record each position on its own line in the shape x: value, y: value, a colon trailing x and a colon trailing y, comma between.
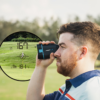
x: 57, y: 54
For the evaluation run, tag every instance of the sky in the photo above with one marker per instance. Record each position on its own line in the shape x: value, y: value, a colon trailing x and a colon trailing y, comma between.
x: 30, y: 9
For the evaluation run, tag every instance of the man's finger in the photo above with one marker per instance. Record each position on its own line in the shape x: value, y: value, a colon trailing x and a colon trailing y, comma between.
x: 52, y: 42
x: 40, y: 42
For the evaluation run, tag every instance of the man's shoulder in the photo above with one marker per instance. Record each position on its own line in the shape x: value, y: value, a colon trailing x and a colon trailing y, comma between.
x: 92, y: 89
x: 94, y: 81
x: 88, y: 86
x: 92, y: 84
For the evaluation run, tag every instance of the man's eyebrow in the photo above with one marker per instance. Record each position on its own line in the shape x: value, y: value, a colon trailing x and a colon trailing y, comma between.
x: 61, y: 44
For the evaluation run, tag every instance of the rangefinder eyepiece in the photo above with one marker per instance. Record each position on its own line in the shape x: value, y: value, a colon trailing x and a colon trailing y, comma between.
x: 45, y: 50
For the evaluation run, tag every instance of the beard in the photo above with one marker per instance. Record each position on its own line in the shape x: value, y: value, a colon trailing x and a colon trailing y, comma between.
x: 66, y: 67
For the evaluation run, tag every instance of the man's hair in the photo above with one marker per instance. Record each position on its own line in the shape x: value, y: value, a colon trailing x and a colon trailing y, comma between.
x: 84, y: 33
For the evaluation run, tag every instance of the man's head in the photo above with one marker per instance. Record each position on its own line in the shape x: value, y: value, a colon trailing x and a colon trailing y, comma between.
x: 82, y: 43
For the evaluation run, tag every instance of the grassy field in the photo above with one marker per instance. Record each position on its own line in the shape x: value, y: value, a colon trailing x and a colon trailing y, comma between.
x: 11, y: 58
x: 16, y: 90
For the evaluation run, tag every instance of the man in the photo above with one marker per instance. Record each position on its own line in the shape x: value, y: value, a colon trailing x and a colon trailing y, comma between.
x: 79, y: 46
x: 22, y: 55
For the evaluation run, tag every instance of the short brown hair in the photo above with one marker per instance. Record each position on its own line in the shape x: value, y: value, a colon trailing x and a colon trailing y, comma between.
x: 84, y: 32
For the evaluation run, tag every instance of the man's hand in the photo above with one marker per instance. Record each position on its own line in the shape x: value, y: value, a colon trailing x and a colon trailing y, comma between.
x: 45, y: 62
x: 36, y: 89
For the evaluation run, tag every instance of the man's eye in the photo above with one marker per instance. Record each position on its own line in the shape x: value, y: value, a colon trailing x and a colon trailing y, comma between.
x: 62, y: 47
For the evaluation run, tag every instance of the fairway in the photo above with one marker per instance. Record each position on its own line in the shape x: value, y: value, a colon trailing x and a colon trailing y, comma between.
x: 12, y: 63
x: 16, y: 90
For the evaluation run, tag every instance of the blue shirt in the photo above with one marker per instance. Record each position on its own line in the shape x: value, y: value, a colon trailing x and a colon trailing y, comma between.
x: 83, y: 87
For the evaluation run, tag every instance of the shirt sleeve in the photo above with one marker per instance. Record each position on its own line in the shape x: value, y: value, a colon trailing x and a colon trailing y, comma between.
x: 55, y: 95
x: 50, y: 96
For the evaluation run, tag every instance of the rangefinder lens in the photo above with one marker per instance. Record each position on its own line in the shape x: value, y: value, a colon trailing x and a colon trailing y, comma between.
x: 18, y: 55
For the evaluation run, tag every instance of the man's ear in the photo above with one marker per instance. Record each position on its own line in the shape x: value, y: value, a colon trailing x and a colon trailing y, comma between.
x: 83, y: 51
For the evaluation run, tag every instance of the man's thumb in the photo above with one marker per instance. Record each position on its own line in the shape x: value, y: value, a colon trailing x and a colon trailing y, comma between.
x: 52, y: 56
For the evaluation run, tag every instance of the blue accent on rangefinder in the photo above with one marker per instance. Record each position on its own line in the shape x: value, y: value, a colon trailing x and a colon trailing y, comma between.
x: 45, y: 50
x: 40, y: 50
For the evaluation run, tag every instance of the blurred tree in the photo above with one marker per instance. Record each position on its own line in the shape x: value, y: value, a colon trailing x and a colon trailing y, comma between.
x: 90, y: 18
x: 46, y: 32
x: 77, y: 19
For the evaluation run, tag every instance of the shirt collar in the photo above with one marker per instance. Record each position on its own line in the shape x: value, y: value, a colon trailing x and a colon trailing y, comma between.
x: 83, y: 77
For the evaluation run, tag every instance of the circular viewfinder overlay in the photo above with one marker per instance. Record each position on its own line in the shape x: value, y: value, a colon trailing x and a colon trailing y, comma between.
x: 18, y: 55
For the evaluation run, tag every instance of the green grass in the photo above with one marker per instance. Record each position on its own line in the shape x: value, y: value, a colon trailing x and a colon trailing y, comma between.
x: 10, y: 58
x: 16, y: 90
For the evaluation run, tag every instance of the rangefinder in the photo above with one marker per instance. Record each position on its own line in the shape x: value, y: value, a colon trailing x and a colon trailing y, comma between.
x: 45, y: 50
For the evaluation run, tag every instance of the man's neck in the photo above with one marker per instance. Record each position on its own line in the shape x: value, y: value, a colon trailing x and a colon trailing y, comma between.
x: 77, y: 71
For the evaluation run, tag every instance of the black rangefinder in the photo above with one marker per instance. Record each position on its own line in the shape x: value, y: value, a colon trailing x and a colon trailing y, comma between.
x: 45, y: 50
